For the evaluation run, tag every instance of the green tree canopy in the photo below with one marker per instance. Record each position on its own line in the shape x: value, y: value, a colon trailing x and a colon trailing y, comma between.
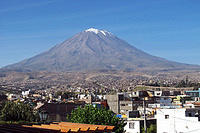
x: 18, y: 111
x: 99, y: 116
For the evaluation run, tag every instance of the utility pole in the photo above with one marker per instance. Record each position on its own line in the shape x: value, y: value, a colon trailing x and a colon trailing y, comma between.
x: 132, y: 103
x: 174, y: 123
x: 145, y: 119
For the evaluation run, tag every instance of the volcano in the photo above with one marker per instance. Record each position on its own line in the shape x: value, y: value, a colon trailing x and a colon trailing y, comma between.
x: 96, y: 50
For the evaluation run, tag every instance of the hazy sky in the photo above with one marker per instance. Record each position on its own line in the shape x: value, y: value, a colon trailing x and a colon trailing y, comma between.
x: 165, y: 28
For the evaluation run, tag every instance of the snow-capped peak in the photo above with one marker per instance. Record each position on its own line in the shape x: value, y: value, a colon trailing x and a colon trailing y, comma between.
x: 92, y: 30
x: 96, y: 31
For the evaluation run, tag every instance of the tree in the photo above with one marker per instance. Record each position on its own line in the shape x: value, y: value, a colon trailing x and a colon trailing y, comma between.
x: 18, y: 111
x: 151, y: 129
x: 99, y: 116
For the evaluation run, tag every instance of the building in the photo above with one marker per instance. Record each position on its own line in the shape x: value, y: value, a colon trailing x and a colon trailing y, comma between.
x: 177, y: 120
x: 135, y: 122
x: 13, y: 97
x: 132, y: 126
x: 164, y: 101
x: 119, y: 103
x: 87, y: 98
x: 113, y: 102
x: 58, y: 111
x: 193, y: 93
x: 25, y: 93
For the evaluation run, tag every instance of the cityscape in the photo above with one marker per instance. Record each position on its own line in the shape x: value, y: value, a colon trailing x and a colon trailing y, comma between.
x: 86, y: 67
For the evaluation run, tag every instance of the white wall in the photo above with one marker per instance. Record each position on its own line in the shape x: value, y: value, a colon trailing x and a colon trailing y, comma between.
x: 136, y: 128
x: 177, y: 122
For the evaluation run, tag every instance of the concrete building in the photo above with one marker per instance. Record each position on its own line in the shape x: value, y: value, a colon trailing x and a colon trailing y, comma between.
x: 87, y: 98
x: 132, y: 126
x: 113, y: 102
x: 193, y: 93
x: 177, y: 121
x: 164, y: 101
x: 119, y: 103
x: 135, y: 122
x: 13, y: 97
x: 125, y: 106
x: 25, y: 93
x: 58, y: 111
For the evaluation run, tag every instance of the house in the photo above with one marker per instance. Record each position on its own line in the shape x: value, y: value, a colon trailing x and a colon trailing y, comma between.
x: 59, y: 111
x: 86, y: 98
x: 135, y: 122
x: 119, y: 103
x: 179, y: 120
x: 193, y: 93
x: 25, y: 93
x: 100, y: 104
x: 123, y: 102
x: 132, y: 126
x: 164, y: 101
x: 171, y: 93
x: 13, y: 97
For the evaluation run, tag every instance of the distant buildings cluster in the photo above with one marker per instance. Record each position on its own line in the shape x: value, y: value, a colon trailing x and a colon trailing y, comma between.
x: 170, y: 110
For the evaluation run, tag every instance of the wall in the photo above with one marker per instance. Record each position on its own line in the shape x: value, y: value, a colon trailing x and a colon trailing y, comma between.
x: 135, y: 129
x: 125, y: 106
x: 113, y: 103
x: 176, y: 121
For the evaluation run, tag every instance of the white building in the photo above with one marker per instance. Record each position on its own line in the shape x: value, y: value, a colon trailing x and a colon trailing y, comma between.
x: 132, y: 126
x: 13, y: 97
x: 25, y: 93
x: 177, y: 121
x: 158, y: 93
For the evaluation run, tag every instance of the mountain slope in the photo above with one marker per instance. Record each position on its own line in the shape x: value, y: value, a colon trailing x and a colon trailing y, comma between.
x: 95, y: 49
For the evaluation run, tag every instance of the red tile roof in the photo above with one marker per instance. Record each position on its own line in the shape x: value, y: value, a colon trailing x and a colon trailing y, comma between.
x: 65, y: 127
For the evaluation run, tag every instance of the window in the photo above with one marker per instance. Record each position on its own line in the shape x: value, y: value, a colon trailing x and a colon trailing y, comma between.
x: 129, y: 104
x: 123, y: 105
x: 131, y: 125
x: 166, y: 116
x: 190, y: 114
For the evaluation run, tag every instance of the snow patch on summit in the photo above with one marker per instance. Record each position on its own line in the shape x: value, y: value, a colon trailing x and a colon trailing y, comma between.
x: 96, y: 31
x: 92, y: 30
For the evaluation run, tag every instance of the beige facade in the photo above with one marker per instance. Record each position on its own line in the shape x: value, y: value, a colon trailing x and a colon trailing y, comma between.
x: 119, y: 104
